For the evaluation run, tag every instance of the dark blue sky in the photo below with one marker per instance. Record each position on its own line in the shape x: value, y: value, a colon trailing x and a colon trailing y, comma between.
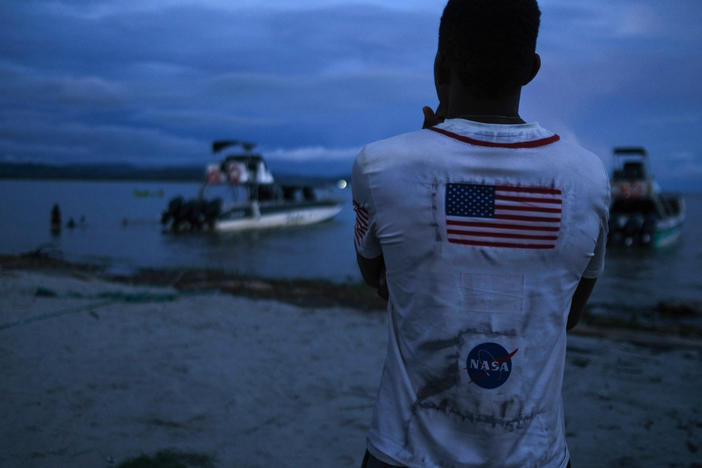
x: 156, y: 81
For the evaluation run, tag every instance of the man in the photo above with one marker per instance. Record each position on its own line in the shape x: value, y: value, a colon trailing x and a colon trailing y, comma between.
x: 488, y: 233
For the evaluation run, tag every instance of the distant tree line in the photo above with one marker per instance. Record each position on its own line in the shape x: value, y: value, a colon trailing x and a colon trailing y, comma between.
x: 99, y: 172
x: 116, y: 171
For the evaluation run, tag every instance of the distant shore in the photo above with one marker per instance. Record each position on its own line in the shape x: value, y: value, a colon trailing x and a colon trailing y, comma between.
x: 130, y: 172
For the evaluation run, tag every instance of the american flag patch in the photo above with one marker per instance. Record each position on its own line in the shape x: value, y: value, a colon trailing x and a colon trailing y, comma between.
x: 503, y: 215
x: 361, y: 227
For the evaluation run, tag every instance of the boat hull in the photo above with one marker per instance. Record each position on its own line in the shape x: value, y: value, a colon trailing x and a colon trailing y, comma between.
x: 271, y: 217
x: 654, y: 222
x: 668, y: 231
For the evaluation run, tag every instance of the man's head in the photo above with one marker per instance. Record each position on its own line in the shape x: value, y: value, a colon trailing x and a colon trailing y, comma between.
x: 489, y: 45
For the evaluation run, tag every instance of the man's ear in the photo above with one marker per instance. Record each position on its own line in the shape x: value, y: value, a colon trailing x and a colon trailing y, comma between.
x: 535, y: 66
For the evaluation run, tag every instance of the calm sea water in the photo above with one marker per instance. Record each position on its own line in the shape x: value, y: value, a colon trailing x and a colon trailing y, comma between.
x: 320, y: 251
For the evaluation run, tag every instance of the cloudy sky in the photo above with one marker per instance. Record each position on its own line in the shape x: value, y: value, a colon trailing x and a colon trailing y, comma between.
x: 155, y: 81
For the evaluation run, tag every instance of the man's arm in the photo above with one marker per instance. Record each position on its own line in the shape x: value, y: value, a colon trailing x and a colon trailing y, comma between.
x: 373, y: 272
x: 371, y: 269
x: 369, y: 255
x: 580, y: 297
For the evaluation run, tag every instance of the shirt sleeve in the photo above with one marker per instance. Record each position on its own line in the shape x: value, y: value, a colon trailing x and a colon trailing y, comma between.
x: 365, y: 239
x: 597, y: 262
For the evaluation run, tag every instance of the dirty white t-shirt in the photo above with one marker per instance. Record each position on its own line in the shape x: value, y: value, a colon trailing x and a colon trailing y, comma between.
x: 485, y: 230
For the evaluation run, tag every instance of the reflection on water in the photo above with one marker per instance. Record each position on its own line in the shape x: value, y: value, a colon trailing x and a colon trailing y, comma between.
x: 639, y: 277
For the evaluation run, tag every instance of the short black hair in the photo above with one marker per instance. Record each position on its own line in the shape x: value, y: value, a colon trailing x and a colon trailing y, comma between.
x: 490, y: 44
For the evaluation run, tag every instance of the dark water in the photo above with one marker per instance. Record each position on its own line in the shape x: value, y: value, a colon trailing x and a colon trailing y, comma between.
x: 322, y: 250
x: 637, y: 278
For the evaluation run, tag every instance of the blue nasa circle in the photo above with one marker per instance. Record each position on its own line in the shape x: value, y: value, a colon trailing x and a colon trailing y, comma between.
x: 489, y: 365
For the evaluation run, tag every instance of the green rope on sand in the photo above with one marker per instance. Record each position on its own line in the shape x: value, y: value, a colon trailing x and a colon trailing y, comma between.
x: 58, y: 313
x: 170, y: 459
x: 144, y: 297
x: 110, y: 298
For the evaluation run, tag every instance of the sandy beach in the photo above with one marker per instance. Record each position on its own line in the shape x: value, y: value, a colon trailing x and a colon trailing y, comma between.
x: 95, y: 372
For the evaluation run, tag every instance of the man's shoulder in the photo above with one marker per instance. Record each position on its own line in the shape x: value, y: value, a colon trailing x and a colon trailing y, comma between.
x: 397, y: 147
x: 583, y: 161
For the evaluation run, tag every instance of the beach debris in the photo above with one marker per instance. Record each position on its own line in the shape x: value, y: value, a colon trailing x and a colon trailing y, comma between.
x: 170, y: 459
x: 578, y: 361
x: 44, y: 292
x: 678, y: 308
x: 43, y: 252
x: 116, y: 296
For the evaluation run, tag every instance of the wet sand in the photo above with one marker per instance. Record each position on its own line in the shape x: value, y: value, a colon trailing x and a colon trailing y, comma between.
x: 95, y: 372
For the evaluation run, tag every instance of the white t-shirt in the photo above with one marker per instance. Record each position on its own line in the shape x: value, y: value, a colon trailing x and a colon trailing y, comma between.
x: 485, y: 230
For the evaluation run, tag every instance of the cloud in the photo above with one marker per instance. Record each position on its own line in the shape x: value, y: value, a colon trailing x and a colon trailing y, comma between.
x: 99, y: 9
x: 294, y: 72
x: 78, y: 141
x: 158, y: 80
x: 24, y: 84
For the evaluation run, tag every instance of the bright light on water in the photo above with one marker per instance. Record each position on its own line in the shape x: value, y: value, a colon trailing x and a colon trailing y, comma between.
x: 342, y: 184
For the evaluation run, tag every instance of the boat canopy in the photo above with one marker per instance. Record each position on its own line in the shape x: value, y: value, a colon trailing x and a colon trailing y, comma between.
x: 631, y: 177
x: 632, y: 170
x: 235, y: 169
x: 219, y: 145
x: 630, y: 163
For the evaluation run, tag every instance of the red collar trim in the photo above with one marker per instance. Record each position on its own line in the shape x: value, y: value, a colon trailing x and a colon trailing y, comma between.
x: 491, y: 144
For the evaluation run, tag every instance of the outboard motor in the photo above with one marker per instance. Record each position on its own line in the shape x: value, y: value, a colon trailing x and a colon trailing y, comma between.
x: 632, y: 229
x: 174, y: 206
x: 616, y: 229
x: 212, y: 209
x: 648, y: 230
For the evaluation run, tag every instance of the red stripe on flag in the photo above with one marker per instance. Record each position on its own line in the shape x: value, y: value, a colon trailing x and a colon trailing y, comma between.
x: 502, y: 244
x: 361, y: 226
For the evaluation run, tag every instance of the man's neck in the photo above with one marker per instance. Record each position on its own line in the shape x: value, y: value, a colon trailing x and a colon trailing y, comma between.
x: 499, y: 110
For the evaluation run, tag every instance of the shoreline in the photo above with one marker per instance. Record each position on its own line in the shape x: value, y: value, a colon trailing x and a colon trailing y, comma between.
x: 310, y: 293
x: 300, y: 292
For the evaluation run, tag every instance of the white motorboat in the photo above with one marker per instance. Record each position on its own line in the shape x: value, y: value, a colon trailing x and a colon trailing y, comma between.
x: 257, y: 201
x: 640, y: 213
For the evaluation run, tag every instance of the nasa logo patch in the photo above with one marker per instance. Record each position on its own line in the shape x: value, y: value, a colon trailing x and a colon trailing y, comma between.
x: 489, y: 365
